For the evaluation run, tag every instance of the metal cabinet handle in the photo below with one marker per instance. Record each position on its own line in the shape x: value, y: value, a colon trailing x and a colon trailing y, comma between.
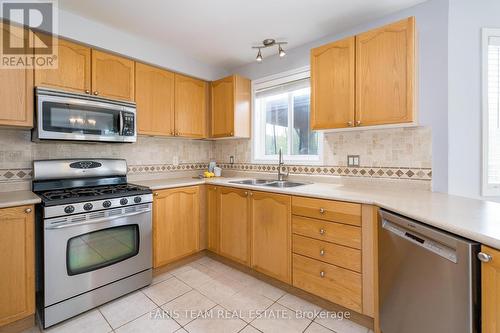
x: 484, y: 257
x: 155, y: 194
x: 28, y: 210
x: 246, y: 193
x: 322, y: 274
x: 322, y: 211
x: 231, y: 134
x: 358, y: 123
x: 321, y: 252
x: 349, y: 123
x: 87, y: 91
x: 321, y: 231
x: 251, y: 194
x: 96, y: 93
x: 171, y: 132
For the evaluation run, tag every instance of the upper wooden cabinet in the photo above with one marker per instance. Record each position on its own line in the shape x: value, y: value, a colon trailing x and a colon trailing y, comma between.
x: 234, y: 224
x: 490, y: 275
x: 332, y: 85
x: 190, y: 107
x: 17, y: 278
x: 113, y: 76
x: 176, y: 218
x: 155, y: 100
x: 230, y: 112
x: 73, y: 72
x: 16, y: 90
x: 271, y: 236
x: 365, y: 80
x: 385, y: 71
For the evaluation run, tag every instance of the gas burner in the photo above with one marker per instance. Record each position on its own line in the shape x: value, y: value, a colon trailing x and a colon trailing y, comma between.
x: 56, y: 195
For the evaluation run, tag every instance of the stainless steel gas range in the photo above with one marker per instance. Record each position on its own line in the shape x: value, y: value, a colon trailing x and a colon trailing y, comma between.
x: 93, y: 235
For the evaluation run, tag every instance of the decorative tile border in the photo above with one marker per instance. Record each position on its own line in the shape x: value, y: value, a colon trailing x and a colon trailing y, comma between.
x: 362, y: 171
x: 25, y: 174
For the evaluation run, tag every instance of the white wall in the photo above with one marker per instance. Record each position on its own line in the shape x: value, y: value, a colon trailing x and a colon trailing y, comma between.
x: 432, y: 27
x: 466, y: 19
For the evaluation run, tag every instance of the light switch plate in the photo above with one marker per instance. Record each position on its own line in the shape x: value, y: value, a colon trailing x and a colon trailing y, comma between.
x: 353, y: 160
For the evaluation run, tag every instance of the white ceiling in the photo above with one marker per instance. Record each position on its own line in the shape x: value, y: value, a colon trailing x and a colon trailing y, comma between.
x: 221, y: 32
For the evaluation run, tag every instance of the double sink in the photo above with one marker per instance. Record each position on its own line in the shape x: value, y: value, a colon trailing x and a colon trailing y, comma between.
x: 268, y: 183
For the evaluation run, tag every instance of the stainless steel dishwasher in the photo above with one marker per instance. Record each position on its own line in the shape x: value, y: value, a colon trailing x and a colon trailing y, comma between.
x: 428, y: 279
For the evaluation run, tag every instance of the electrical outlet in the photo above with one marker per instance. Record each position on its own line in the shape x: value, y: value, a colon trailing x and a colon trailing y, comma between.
x: 175, y: 160
x: 353, y: 160
x: 231, y: 159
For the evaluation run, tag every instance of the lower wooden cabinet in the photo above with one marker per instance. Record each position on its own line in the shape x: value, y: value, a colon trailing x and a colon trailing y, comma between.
x: 490, y: 284
x: 213, y: 218
x: 17, y: 264
x: 270, y: 234
x: 234, y: 224
x: 176, y: 218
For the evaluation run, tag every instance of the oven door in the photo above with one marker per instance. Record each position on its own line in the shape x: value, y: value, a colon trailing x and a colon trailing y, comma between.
x: 86, y: 253
x: 72, y: 118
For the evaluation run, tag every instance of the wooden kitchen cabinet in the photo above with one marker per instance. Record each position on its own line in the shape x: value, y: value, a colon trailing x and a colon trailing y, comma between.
x: 73, y: 70
x: 17, y: 278
x: 234, y: 213
x: 332, y: 85
x: 213, y: 218
x: 490, y: 285
x: 155, y: 100
x: 113, y: 76
x: 190, y: 107
x: 230, y: 111
x: 16, y: 89
x: 176, y: 218
x: 385, y: 73
x: 271, y: 234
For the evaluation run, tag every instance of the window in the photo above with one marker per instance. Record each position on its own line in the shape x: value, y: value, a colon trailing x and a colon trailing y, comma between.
x: 491, y: 111
x: 281, y: 120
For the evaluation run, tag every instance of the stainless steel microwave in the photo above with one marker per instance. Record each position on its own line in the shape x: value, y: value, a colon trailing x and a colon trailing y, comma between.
x: 79, y: 117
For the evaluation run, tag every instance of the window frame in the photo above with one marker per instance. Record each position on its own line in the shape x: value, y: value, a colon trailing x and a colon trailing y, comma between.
x: 487, y: 189
x: 272, y: 81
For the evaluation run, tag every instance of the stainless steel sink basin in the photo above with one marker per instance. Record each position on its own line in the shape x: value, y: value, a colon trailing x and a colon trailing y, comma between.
x: 253, y: 181
x: 284, y: 184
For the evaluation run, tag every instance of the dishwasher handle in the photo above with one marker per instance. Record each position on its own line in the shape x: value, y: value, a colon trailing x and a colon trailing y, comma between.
x: 421, y: 241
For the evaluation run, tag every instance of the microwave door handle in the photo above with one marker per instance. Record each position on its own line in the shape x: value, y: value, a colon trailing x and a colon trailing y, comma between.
x: 121, y: 123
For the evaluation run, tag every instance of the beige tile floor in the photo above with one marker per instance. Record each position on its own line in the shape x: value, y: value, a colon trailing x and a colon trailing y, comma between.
x: 207, y: 296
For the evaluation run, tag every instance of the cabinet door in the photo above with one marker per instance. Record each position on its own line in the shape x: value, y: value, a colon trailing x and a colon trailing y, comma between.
x: 73, y: 69
x: 17, y: 281
x: 112, y: 76
x: 332, y: 85
x: 271, y: 235
x: 385, y: 70
x: 155, y: 100
x: 176, y: 218
x: 190, y: 107
x: 490, y: 273
x: 16, y: 89
x: 213, y: 218
x: 222, y: 119
x: 234, y: 226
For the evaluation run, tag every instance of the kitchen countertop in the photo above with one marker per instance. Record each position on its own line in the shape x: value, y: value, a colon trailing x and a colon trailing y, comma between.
x: 18, y: 198
x: 470, y: 218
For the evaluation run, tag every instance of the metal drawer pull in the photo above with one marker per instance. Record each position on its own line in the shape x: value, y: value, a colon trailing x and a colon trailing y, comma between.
x: 322, y: 274
x: 322, y: 211
x: 27, y: 210
x: 321, y: 252
x: 246, y: 193
x: 484, y: 257
x: 321, y: 231
x: 155, y: 194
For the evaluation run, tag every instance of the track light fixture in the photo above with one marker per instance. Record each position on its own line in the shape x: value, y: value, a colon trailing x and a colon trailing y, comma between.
x: 269, y: 42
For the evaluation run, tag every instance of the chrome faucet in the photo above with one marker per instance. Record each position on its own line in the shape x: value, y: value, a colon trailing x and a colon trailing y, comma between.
x: 282, y: 176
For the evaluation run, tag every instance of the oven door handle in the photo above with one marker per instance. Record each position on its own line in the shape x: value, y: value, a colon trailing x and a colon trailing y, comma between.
x: 121, y: 123
x: 99, y: 220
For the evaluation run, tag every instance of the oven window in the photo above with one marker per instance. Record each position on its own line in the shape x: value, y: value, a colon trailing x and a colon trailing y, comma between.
x: 98, y: 249
x: 66, y: 118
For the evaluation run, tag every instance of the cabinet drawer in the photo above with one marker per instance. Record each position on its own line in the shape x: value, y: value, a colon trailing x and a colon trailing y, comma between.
x: 339, y: 255
x: 330, y: 282
x: 337, y: 211
x: 337, y: 233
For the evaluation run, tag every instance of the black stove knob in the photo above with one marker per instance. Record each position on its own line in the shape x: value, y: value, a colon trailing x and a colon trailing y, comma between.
x: 137, y: 199
x: 69, y: 209
x: 123, y: 201
x: 106, y: 204
x: 88, y: 206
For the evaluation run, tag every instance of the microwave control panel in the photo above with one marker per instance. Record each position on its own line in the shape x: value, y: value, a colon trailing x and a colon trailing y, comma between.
x: 128, y: 124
